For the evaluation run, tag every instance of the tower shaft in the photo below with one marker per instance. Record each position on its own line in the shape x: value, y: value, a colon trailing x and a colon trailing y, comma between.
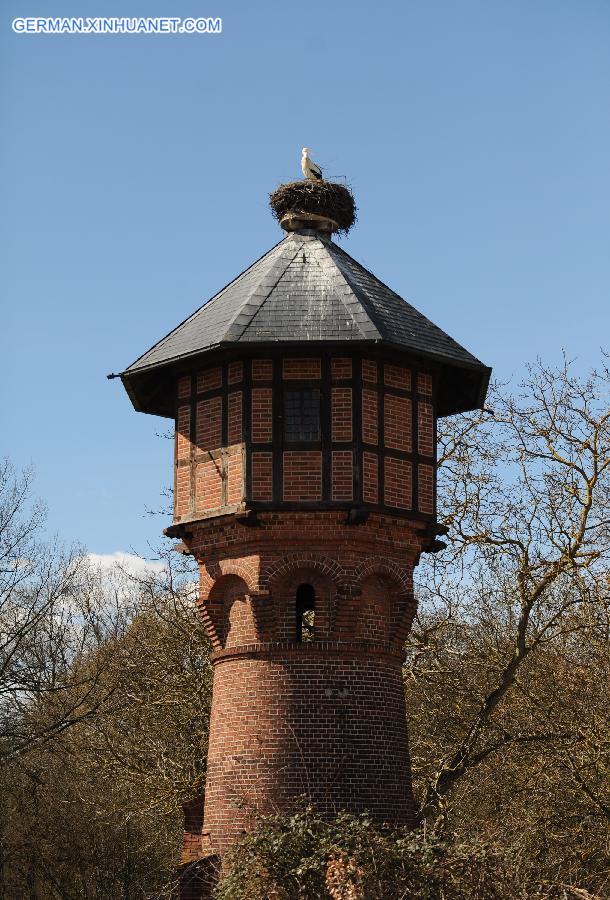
x: 321, y: 717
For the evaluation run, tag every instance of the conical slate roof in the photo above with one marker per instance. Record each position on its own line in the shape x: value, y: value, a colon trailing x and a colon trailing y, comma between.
x: 307, y: 290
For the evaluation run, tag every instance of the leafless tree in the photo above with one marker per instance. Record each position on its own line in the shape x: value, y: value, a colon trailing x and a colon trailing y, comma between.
x: 54, y: 612
x: 509, y: 656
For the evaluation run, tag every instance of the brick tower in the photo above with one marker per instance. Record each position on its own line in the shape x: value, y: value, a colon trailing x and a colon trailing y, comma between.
x: 305, y: 396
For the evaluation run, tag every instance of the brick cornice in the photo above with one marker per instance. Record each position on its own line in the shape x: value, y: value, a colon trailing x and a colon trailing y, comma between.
x: 280, y: 649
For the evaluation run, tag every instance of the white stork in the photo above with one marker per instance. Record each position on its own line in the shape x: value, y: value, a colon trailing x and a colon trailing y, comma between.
x: 310, y: 169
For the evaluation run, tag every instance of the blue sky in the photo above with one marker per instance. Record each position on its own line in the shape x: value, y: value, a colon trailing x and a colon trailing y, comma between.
x: 135, y: 170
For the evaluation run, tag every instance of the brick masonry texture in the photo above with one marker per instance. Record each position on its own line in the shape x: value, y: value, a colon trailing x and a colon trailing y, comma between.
x: 184, y: 387
x: 370, y: 477
x: 182, y: 484
x: 301, y: 368
x: 424, y: 383
x: 323, y: 724
x: 425, y: 428
x: 369, y: 370
x: 209, y: 423
x: 343, y: 475
x: 262, y: 369
x: 262, y: 476
x: 234, y: 467
x: 397, y: 483
x: 370, y: 416
x: 341, y: 368
x: 236, y: 372
x: 341, y: 402
x: 324, y: 718
x: 426, y: 488
x: 302, y: 475
x: 262, y: 415
x: 397, y: 422
x: 234, y: 428
x: 208, y: 489
x: 183, y: 433
x: 209, y: 379
x: 397, y: 377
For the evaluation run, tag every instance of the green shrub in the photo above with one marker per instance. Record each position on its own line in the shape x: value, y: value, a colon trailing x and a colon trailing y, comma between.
x: 350, y: 857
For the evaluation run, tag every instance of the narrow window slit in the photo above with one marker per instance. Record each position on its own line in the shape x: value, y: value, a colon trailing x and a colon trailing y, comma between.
x: 305, y: 613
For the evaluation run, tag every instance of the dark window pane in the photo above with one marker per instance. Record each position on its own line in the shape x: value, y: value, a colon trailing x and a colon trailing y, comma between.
x: 302, y: 415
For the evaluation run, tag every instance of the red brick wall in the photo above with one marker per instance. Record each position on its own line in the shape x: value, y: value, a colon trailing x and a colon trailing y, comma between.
x: 341, y: 368
x: 369, y: 370
x: 424, y: 383
x: 397, y: 377
x: 370, y: 477
x: 209, y: 379
x: 236, y: 372
x: 209, y: 424
x: 425, y: 426
x: 184, y: 387
x: 328, y: 724
x: 342, y: 475
x: 370, y: 416
x: 234, y: 431
x: 301, y: 368
x: 283, y: 626
x: 262, y: 415
x: 341, y: 414
x: 397, y: 483
x: 183, y: 433
x: 397, y: 422
x: 208, y: 485
x: 262, y: 476
x: 262, y: 369
x: 230, y: 595
x: 302, y: 475
x: 376, y: 605
x: 182, y: 485
x: 426, y: 488
x: 234, y: 468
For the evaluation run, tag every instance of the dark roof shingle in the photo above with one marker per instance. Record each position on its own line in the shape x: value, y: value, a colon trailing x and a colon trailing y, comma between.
x: 306, y: 289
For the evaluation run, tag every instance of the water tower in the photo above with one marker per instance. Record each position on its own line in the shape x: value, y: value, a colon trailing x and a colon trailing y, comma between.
x: 305, y: 396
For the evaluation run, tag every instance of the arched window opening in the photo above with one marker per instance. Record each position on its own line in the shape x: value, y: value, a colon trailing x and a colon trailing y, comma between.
x: 305, y: 612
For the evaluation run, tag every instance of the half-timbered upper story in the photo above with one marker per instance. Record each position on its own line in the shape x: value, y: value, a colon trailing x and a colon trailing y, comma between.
x: 306, y: 382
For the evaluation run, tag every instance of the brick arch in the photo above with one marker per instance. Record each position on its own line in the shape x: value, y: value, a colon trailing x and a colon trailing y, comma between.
x: 403, y: 615
x: 326, y: 576
x: 209, y: 574
x: 228, y: 612
x: 378, y: 565
x: 283, y: 567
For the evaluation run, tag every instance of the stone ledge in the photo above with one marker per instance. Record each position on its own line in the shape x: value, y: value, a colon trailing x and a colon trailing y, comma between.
x: 308, y: 648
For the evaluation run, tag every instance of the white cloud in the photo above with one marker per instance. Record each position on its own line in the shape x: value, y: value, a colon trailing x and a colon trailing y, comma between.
x: 129, y: 562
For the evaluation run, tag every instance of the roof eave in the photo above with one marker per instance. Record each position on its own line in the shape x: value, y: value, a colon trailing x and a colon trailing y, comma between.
x: 145, y: 398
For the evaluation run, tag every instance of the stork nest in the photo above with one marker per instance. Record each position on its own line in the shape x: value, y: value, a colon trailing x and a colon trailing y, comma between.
x: 320, y: 198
